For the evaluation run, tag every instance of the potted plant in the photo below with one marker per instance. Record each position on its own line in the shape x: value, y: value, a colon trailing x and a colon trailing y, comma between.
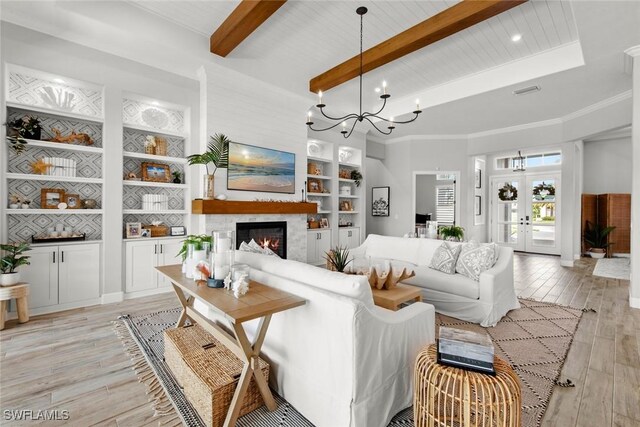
x: 356, y: 176
x: 596, y: 237
x: 218, y: 154
x: 338, y: 258
x: 12, y: 259
x: 176, y: 177
x: 196, y: 240
x: 454, y: 233
x: 19, y: 130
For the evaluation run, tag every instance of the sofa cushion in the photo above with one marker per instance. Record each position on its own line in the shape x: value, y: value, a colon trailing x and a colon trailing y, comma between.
x: 427, y: 249
x: 387, y: 247
x: 475, y: 258
x: 445, y: 257
x: 455, y: 284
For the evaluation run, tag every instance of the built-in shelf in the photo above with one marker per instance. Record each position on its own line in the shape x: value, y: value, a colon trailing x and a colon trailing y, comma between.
x: 352, y: 181
x: 154, y: 131
x: 54, y: 211
x: 318, y: 176
x: 324, y: 212
x: 134, y: 239
x: 319, y: 194
x: 157, y: 212
x: 350, y: 165
x: 319, y: 159
x: 34, y: 177
x: 70, y: 243
x: 153, y: 184
x: 348, y: 212
x: 54, y: 112
x: 225, y: 207
x: 154, y: 157
x: 62, y: 146
x: 348, y: 197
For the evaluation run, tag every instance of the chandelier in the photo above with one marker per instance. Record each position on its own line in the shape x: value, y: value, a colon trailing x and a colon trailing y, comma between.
x: 361, y: 116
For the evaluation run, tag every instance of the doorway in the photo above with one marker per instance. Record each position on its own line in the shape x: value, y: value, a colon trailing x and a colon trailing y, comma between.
x: 435, y: 197
x: 525, y: 212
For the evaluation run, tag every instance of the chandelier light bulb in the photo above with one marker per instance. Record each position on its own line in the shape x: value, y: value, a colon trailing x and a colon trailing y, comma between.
x: 319, y: 97
x: 384, y: 87
x: 417, y: 104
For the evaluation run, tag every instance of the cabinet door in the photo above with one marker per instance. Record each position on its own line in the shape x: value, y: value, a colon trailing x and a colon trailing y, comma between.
x: 42, y: 276
x: 354, y: 239
x: 141, y: 257
x: 312, y: 247
x: 324, y: 244
x: 79, y: 273
x: 350, y: 237
x: 168, y: 255
x: 343, y: 237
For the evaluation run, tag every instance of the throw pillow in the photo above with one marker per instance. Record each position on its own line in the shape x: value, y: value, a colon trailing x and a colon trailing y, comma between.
x: 445, y: 257
x: 475, y: 258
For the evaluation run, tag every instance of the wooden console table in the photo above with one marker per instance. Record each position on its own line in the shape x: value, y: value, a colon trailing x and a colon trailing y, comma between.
x: 261, y: 302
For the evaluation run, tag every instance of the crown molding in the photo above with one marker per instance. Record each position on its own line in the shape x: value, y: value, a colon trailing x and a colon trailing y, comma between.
x: 629, y: 54
x: 516, y: 128
x: 598, y: 106
x: 407, y: 138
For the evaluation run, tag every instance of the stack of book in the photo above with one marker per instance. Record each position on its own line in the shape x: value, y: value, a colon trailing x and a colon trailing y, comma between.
x: 466, y: 349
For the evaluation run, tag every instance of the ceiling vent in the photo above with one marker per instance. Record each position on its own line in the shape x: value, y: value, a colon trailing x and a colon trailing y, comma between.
x: 526, y: 90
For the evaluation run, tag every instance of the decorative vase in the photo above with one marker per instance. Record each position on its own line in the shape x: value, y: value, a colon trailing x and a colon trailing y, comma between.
x: 597, y: 253
x: 14, y: 206
x: 9, y: 279
x: 177, y: 181
x: 89, y: 204
x: 222, y: 257
x: 207, y: 188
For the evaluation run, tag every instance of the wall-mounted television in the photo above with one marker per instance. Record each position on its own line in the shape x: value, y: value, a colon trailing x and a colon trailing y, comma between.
x: 254, y: 168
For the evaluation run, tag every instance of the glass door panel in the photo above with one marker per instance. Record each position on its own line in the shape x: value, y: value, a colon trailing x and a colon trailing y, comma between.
x: 507, y: 212
x: 543, y: 210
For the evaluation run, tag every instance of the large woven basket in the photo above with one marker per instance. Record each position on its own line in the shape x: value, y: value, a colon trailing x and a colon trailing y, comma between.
x: 208, y: 373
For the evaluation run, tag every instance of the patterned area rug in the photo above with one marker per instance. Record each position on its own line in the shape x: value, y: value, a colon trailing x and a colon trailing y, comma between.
x: 613, y: 268
x: 534, y: 339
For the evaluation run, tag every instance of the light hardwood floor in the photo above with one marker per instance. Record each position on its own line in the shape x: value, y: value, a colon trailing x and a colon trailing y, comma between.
x: 74, y: 361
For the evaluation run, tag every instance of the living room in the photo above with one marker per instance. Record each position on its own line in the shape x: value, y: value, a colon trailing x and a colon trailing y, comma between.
x: 525, y: 138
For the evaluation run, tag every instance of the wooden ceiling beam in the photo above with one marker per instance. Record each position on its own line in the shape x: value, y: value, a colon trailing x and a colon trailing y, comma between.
x: 243, y: 21
x: 450, y: 21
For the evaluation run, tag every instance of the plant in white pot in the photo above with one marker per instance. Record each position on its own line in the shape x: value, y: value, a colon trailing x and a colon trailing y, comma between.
x: 597, y: 238
x: 218, y: 154
x: 12, y: 259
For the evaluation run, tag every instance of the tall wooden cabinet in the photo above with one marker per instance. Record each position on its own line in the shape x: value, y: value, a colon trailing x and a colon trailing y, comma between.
x: 609, y: 210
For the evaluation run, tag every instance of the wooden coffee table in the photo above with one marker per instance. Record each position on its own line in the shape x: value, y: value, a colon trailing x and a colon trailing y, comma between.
x: 392, y: 298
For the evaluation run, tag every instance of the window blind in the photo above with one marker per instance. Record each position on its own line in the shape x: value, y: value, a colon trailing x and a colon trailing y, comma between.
x: 445, y: 204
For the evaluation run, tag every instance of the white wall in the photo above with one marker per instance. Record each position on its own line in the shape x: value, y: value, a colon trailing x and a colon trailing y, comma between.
x: 607, y: 166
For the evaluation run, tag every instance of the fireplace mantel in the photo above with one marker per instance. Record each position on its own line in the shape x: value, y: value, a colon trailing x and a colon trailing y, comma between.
x: 226, y: 207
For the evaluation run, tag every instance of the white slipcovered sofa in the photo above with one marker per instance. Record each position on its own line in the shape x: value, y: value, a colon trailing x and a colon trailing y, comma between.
x: 339, y: 360
x: 485, y: 301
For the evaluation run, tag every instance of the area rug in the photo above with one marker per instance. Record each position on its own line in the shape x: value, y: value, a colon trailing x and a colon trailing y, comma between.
x: 534, y: 339
x: 613, y: 268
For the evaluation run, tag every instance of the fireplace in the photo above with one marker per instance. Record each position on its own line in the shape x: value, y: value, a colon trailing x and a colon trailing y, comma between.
x: 267, y: 234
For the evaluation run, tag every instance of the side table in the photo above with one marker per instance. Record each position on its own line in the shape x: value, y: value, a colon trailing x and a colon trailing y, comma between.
x: 20, y: 292
x: 446, y: 396
x: 392, y: 298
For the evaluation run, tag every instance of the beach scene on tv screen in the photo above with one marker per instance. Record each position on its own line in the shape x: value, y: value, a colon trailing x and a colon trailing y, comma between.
x: 260, y: 169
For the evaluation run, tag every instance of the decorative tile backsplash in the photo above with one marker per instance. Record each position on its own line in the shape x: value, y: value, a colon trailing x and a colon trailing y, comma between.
x: 22, y: 227
x: 31, y: 190
x: 133, y: 140
x: 40, y: 92
x: 88, y: 165
x: 63, y: 124
x: 143, y: 114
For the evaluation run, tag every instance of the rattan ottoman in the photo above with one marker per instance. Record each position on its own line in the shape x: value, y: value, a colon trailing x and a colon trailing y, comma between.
x: 445, y: 396
x: 208, y: 372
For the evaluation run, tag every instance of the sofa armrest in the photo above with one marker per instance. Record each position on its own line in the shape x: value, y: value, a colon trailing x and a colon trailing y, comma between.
x: 499, y: 278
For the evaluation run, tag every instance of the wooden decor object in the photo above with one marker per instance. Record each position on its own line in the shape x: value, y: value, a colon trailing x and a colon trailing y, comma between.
x: 161, y: 146
x: 589, y: 213
x: 51, y: 197
x: 614, y: 210
x: 157, y: 230
x: 155, y: 172
x: 20, y: 292
x: 391, y: 299
x: 450, y: 21
x: 208, y: 373
x: 314, y: 185
x: 447, y: 396
x: 225, y: 207
x: 243, y: 21
x: 81, y: 138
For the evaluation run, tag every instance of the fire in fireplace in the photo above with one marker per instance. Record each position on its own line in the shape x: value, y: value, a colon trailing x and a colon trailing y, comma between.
x: 272, y: 235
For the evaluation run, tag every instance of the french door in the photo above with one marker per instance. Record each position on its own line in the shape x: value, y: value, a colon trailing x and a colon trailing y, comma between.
x: 525, y: 212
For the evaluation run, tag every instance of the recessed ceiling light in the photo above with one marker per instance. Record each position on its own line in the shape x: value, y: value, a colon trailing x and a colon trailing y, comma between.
x: 377, y: 90
x: 516, y: 37
x: 155, y: 103
x: 57, y: 80
x: 526, y: 90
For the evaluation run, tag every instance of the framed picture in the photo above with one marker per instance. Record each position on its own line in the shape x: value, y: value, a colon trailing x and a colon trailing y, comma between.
x: 133, y: 230
x: 156, y: 172
x: 314, y: 185
x: 145, y: 232
x: 345, y: 206
x: 477, y: 208
x: 478, y: 178
x: 380, y: 201
x: 73, y: 201
x: 50, y: 198
x: 324, y: 222
x: 260, y: 169
x: 178, y: 231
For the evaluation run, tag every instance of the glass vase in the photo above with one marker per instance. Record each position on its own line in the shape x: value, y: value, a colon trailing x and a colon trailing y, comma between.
x: 222, y: 255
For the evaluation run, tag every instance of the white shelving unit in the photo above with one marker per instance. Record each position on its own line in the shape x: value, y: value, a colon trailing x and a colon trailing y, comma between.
x: 54, y: 211
x: 154, y: 184
x: 350, y: 222
x: 154, y: 130
x: 64, y: 147
x: 33, y: 177
x: 53, y: 111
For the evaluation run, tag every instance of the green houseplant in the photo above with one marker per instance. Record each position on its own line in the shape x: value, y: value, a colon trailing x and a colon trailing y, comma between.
x: 19, y: 130
x: 217, y: 154
x: 453, y: 232
x: 597, y: 238
x: 338, y: 258
x: 356, y: 176
x: 12, y: 259
x: 196, y: 240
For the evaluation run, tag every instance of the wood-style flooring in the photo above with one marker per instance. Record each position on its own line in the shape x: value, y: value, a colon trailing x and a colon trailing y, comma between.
x: 73, y: 360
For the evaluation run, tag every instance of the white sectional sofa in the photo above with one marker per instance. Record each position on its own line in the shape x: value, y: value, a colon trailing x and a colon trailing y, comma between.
x: 339, y: 360
x: 485, y: 301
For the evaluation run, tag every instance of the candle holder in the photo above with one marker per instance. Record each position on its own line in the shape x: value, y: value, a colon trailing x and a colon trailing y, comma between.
x: 222, y: 257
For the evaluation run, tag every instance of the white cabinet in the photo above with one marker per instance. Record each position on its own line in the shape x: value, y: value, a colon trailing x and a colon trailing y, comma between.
x: 143, y: 256
x: 318, y: 244
x: 62, y: 274
x: 349, y: 237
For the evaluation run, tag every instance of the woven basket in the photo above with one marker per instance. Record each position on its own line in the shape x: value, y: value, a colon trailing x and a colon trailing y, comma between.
x: 157, y: 230
x: 448, y: 396
x: 209, y: 373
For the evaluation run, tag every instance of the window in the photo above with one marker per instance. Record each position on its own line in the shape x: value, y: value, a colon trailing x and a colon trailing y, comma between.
x: 445, y: 204
x: 531, y: 160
